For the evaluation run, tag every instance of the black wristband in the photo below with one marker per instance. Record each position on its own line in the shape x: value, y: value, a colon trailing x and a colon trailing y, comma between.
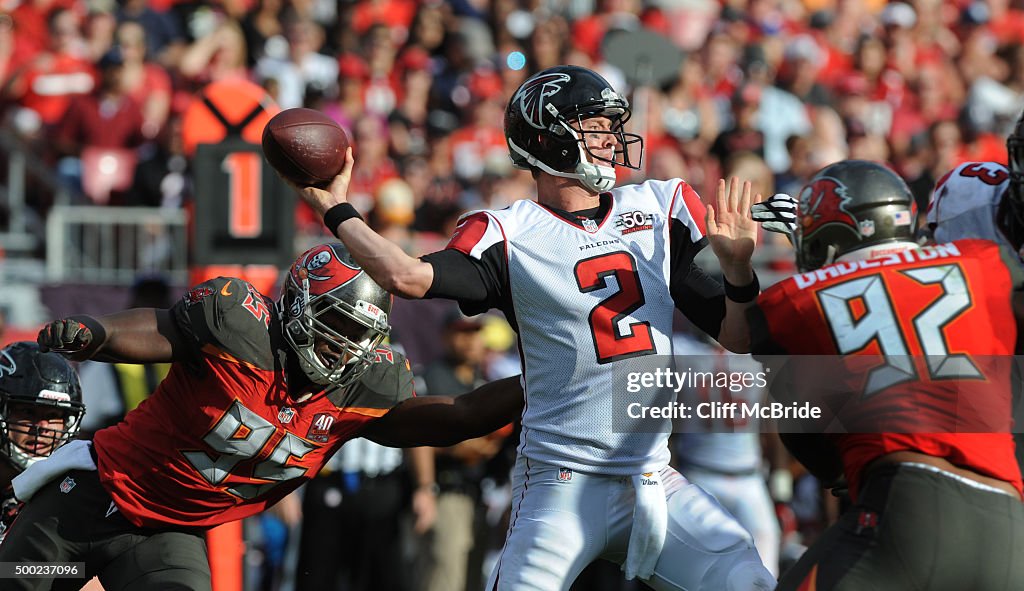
x: 339, y: 213
x: 744, y: 294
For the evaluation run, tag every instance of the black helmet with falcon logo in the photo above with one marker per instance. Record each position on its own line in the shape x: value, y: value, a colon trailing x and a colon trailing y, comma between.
x: 329, y: 300
x: 544, y: 120
x: 850, y: 205
x: 35, y: 385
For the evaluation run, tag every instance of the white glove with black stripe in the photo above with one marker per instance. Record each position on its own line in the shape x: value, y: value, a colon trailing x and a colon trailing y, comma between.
x: 777, y: 214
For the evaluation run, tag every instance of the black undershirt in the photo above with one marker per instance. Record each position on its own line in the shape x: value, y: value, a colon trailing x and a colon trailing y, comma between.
x: 476, y: 284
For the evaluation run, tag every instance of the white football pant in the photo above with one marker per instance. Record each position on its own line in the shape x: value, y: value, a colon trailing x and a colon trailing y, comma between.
x: 561, y: 522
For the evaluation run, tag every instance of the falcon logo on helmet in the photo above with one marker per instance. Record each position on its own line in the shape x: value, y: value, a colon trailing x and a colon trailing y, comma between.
x: 533, y: 98
x: 824, y: 202
x: 7, y: 364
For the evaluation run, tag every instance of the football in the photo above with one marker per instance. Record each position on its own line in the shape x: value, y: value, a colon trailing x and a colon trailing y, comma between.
x: 305, y: 146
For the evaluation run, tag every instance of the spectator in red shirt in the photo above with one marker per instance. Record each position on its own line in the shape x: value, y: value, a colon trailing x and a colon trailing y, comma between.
x: 407, y: 123
x: 57, y: 76
x: 373, y: 165
x: 350, y: 105
x: 392, y: 13
x: 106, y: 124
x: 481, y: 134
x: 979, y: 144
x: 145, y: 81
x: 588, y: 32
x: 722, y: 73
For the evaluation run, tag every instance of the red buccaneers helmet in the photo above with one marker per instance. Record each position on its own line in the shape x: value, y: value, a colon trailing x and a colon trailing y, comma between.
x: 34, y: 384
x: 334, y: 315
x: 850, y: 205
x: 544, y: 118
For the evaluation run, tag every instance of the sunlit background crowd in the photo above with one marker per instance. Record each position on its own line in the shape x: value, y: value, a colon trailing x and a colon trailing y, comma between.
x: 94, y: 97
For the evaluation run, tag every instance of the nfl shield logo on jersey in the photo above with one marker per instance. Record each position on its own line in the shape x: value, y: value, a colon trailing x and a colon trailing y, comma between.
x: 564, y: 474
x: 285, y: 415
x: 589, y: 225
x: 67, y: 485
x: 320, y: 430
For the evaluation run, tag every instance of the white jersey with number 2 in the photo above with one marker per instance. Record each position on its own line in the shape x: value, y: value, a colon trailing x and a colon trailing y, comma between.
x: 589, y: 299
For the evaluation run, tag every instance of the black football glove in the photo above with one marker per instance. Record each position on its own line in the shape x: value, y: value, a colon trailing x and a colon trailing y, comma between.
x: 66, y: 335
x: 777, y: 214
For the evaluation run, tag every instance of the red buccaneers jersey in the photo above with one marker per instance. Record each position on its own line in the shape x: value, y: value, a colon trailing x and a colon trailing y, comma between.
x: 220, y: 439
x: 934, y: 331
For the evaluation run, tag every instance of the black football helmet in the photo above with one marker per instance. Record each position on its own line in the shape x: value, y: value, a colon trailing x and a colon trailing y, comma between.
x: 544, y: 118
x: 327, y: 297
x: 1011, y: 207
x: 30, y: 382
x: 850, y: 205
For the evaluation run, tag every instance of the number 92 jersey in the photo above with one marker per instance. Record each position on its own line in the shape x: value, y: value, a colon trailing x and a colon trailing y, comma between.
x: 588, y: 298
x: 912, y: 315
x: 220, y: 439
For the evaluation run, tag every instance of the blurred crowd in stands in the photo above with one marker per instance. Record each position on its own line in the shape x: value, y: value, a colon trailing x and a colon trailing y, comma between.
x: 768, y: 90
x: 772, y: 89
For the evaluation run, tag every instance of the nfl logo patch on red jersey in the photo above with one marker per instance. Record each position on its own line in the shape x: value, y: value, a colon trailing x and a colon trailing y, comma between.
x: 564, y: 474
x: 320, y: 430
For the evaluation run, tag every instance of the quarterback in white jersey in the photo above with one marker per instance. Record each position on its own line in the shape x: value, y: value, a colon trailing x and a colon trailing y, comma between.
x: 965, y: 203
x: 582, y: 300
x: 982, y: 199
x: 589, y: 276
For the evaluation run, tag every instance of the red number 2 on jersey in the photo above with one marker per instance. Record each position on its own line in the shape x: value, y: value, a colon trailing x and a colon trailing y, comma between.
x: 606, y: 316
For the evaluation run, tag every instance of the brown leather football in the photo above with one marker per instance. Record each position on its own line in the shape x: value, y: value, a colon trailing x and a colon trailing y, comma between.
x: 305, y: 146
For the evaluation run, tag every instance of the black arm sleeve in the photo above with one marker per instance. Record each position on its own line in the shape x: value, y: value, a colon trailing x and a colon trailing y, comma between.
x: 696, y: 294
x: 476, y: 284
